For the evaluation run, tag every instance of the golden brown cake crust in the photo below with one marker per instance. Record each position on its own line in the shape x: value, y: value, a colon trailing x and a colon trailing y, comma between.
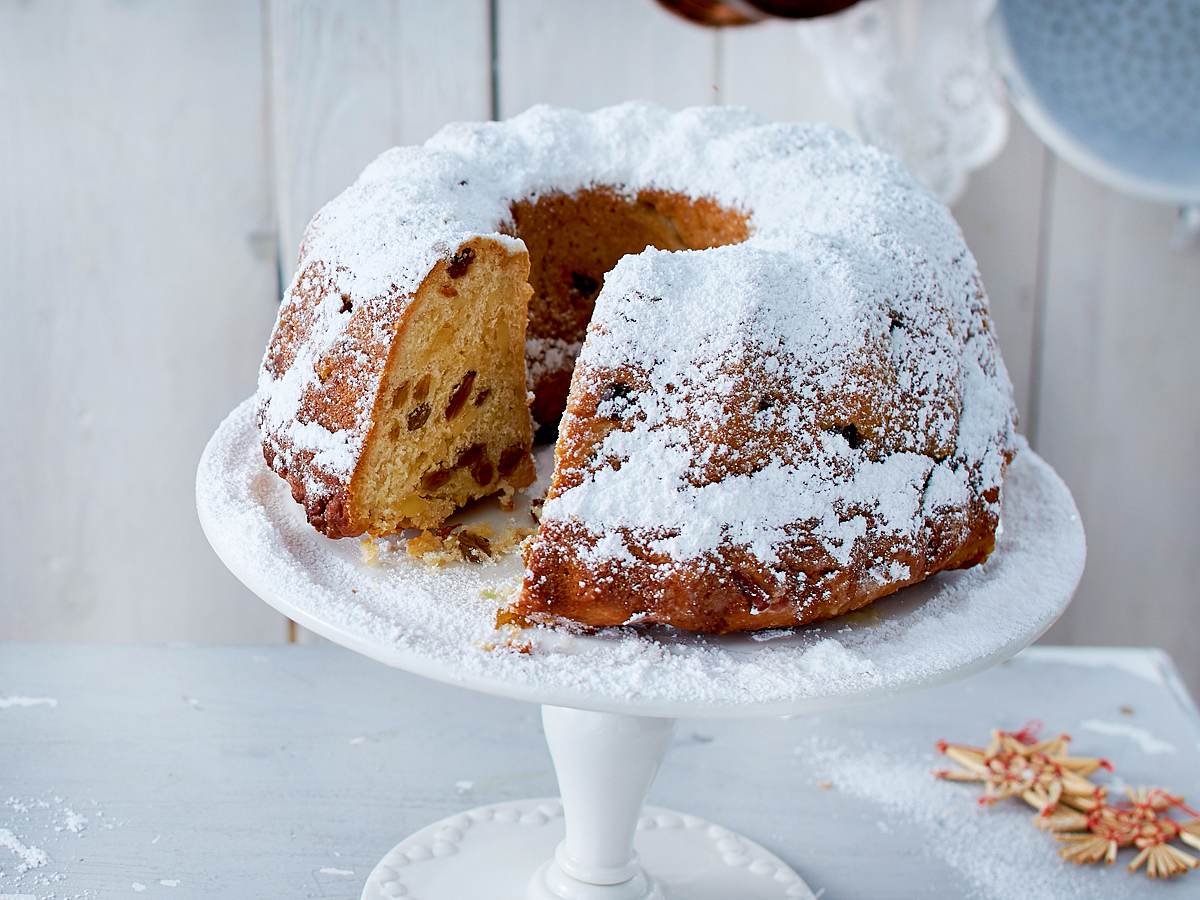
x: 723, y: 592
x: 331, y: 404
x: 726, y: 590
x: 911, y: 454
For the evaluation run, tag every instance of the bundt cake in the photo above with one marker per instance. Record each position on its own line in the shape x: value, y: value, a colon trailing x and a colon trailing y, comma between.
x: 788, y: 400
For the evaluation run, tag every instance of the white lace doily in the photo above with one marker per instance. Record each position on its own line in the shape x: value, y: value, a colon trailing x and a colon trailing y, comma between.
x: 918, y: 79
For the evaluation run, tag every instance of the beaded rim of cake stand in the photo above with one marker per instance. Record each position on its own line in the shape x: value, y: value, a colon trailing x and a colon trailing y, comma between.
x: 443, y: 839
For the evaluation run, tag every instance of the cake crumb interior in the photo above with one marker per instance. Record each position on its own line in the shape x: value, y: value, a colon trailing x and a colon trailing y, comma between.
x: 574, y: 240
x: 456, y: 383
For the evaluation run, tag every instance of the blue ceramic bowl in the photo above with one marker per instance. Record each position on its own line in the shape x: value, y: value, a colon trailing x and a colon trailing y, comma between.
x: 1112, y: 86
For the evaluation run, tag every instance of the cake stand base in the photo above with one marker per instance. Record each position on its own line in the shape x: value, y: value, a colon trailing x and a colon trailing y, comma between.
x: 591, y: 844
x: 492, y: 850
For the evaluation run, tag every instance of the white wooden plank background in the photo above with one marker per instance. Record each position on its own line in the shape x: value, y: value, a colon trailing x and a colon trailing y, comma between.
x: 138, y: 274
x: 1118, y: 412
x: 549, y: 51
x: 1000, y: 214
x: 350, y: 80
x: 160, y: 163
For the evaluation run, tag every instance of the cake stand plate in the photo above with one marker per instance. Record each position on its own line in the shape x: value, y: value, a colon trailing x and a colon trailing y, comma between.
x: 491, y: 851
x: 609, y: 700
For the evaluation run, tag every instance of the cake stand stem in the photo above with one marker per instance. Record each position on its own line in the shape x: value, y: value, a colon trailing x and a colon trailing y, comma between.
x: 582, y: 847
x: 605, y: 763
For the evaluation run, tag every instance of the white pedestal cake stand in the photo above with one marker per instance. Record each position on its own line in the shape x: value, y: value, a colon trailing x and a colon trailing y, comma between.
x: 609, y: 700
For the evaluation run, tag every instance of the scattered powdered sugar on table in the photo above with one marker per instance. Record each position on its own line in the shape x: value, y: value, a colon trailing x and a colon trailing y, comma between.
x: 329, y: 870
x: 35, y: 831
x: 1140, y: 736
x: 997, y: 851
x: 30, y: 857
x: 437, y: 622
x: 73, y: 822
x: 26, y: 702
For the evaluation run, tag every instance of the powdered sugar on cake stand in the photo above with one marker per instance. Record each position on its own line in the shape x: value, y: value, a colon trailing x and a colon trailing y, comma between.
x: 437, y: 621
x: 608, y: 698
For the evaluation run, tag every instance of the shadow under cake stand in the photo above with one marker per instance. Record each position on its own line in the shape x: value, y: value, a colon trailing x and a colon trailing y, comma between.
x: 609, y: 700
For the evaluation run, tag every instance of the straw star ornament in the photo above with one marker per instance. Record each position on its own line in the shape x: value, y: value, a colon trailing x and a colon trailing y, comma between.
x: 1089, y: 827
x: 1015, y: 764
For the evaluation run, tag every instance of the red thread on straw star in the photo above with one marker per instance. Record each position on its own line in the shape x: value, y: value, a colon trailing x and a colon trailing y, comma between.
x: 1088, y: 826
x: 1016, y: 764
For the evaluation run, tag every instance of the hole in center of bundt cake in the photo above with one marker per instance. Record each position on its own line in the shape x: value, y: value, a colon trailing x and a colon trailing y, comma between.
x: 573, y: 241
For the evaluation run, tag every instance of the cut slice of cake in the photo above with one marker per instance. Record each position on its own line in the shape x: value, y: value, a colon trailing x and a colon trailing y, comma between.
x: 420, y: 401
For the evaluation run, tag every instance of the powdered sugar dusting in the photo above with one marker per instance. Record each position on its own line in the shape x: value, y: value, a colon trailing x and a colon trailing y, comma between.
x: 19, y: 702
x: 825, y: 211
x: 28, y: 857
x: 820, y: 319
x: 996, y: 851
x: 73, y: 822
x: 436, y: 622
x: 545, y: 355
x: 39, y: 837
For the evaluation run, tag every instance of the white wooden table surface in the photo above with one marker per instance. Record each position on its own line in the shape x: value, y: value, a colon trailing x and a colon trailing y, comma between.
x: 257, y: 772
